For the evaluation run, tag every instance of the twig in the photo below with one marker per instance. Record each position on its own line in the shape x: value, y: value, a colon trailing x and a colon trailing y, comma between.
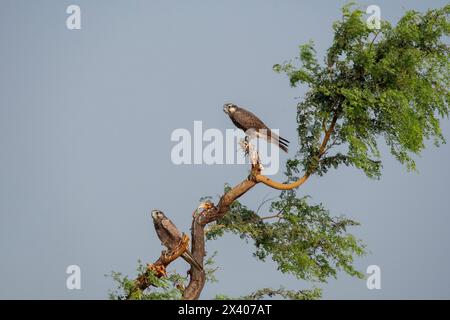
x: 278, y: 215
x: 373, y: 40
x: 264, y: 202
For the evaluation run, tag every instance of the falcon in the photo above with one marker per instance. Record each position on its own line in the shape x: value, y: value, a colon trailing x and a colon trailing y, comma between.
x: 170, y: 236
x: 246, y: 120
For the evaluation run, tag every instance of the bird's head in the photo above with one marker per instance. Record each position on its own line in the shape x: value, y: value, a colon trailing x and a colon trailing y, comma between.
x: 229, y: 108
x: 157, y: 215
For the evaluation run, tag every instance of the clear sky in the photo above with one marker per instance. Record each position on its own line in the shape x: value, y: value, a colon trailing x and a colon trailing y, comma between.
x: 85, y: 123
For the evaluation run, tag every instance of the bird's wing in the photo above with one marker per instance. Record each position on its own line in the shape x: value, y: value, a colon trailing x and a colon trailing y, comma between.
x: 280, y: 142
x: 272, y: 137
x: 171, y: 230
x: 248, y: 120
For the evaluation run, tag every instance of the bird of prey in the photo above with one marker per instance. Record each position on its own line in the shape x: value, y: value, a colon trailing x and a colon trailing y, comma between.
x: 170, y: 236
x: 246, y: 120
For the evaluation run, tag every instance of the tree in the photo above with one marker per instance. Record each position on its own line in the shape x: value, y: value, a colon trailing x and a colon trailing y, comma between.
x: 390, y: 86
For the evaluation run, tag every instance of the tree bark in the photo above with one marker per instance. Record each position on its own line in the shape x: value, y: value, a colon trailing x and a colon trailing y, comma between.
x: 197, y: 277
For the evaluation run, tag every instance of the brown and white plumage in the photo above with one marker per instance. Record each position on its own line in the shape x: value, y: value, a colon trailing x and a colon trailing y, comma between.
x: 170, y: 236
x: 247, y: 121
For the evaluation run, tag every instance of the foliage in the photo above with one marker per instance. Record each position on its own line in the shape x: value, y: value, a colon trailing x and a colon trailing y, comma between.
x: 390, y: 84
x: 306, y: 241
x: 281, y: 293
x: 168, y: 288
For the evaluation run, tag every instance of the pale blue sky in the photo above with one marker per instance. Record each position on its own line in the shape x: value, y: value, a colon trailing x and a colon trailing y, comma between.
x: 85, y: 124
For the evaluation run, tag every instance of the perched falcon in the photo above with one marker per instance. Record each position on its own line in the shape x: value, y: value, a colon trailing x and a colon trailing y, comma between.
x: 246, y: 120
x: 170, y: 236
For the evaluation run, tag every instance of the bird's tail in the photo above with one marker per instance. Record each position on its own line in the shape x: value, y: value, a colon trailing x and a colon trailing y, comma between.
x: 187, y: 256
x: 276, y: 140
